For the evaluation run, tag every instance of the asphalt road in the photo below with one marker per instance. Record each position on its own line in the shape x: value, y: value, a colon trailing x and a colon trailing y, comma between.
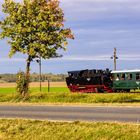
x: 72, y: 113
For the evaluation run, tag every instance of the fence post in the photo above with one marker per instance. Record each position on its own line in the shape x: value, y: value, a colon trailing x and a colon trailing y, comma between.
x: 48, y: 85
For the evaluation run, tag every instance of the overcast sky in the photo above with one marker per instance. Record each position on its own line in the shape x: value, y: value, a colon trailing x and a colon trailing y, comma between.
x: 99, y: 26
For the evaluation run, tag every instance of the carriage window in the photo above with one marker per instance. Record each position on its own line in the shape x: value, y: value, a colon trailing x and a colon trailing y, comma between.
x: 117, y: 77
x: 122, y: 76
x: 137, y: 76
x: 129, y: 76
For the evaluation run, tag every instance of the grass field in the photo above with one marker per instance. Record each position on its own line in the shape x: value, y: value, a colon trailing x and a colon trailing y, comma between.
x: 62, y: 95
x: 12, y: 90
x: 44, y: 130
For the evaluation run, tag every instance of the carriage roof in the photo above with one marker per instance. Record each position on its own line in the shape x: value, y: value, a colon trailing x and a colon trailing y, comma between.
x: 126, y: 71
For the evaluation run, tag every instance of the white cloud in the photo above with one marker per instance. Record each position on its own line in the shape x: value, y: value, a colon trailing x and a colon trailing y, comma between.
x: 104, y: 31
x: 12, y: 60
x: 85, y: 9
x: 131, y: 57
x: 124, y: 57
x: 96, y: 9
x: 85, y: 58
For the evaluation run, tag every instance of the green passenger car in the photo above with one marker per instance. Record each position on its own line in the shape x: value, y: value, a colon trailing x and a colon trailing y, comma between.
x: 126, y: 80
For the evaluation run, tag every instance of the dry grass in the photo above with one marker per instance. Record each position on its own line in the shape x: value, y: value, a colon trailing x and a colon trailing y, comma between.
x: 35, y: 84
x: 44, y: 130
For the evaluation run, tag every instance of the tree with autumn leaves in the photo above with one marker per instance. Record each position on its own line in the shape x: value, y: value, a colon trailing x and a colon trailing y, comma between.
x: 35, y: 28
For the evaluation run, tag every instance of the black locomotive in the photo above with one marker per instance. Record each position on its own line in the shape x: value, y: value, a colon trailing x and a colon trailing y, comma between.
x: 90, y: 81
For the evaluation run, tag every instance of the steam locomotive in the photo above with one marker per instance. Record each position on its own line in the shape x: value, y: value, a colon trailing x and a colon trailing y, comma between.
x: 100, y: 81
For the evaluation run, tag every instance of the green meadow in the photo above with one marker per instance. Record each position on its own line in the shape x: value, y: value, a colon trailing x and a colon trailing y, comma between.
x: 62, y: 95
x: 12, y: 90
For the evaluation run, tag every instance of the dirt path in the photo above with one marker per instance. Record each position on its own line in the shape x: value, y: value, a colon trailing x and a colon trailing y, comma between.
x: 35, y: 84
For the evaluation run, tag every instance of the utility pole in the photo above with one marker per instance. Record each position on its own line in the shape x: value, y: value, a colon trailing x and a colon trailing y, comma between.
x: 40, y: 79
x: 115, y: 58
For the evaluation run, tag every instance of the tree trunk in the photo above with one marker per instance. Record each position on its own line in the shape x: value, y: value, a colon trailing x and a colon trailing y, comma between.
x: 27, y: 76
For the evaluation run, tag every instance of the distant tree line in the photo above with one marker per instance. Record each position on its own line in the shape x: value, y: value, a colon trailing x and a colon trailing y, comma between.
x: 34, y: 77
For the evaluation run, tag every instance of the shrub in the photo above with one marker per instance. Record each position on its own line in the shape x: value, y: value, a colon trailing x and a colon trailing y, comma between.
x: 22, y: 83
